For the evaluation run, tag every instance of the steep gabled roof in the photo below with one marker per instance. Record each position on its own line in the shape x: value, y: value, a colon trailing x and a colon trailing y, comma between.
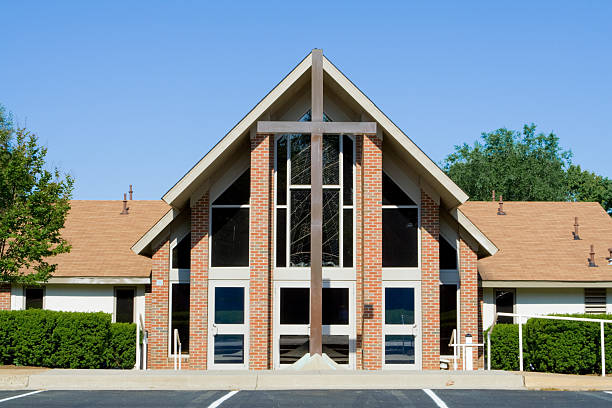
x: 535, y: 241
x: 451, y: 194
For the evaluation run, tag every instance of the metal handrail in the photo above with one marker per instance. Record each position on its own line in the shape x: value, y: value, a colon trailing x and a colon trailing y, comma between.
x: 177, y: 344
x: 145, y: 341
x: 529, y: 316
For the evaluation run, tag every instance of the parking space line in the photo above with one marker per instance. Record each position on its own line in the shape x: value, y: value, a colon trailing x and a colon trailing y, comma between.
x: 20, y: 395
x: 218, y: 402
x: 435, y: 398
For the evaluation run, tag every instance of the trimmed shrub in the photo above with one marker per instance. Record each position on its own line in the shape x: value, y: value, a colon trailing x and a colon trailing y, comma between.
x: 47, y: 338
x: 122, y: 350
x: 555, y: 346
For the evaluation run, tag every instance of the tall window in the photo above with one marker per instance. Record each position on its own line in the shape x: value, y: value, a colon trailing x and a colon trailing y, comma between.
x: 180, y: 314
x: 504, y: 302
x: 181, y: 253
x: 34, y: 298
x: 448, y: 317
x: 400, y: 219
x: 124, y: 305
x: 230, y: 224
x: 448, y: 254
x: 293, y: 200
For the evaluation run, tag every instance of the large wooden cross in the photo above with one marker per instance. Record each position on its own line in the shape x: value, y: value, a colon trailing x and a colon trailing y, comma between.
x: 317, y: 127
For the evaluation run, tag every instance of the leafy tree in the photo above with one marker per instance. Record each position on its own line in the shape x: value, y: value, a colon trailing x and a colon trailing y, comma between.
x: 34, y: 203
x: 522, y: 166
x: 583, y: 185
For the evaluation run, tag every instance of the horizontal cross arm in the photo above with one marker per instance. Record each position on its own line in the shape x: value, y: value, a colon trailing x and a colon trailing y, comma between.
x: 359, y: 128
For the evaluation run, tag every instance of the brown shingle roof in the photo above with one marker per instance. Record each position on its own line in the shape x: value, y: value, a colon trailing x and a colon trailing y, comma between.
x: 101, y: 238
x: 536, y: 243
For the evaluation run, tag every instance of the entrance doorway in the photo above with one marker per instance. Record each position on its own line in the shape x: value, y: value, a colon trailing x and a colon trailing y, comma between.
x: 402, y: 325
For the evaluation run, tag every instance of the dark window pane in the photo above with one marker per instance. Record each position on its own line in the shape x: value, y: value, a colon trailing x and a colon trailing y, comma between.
x: 399, y: 305
x: 399, y: 349
x: 347, y: 153
x: 393, y: 194
x: 294, y: 306
x: 292, y: 348
x: 331, y: 227
x: 181, y: 253
x: 281, y: 237
x: 230, y: 237
x: 399, y: 237
x: 335, y: 306
x: 504, y: 303
x: 300, y: 159
x: 238, y: 193
x: 348, y: 239
x: 124, y: 307
x: 307, y: 117
x: 34, y: 298
x: 229, y: 305
x: 337, y: 348
x: 180, y: 313
x: 281, y: 170
x: 331, y: 159
x: 448, y: 316
x: 299, y: 234
x: 229, y: 349
x: 448, y: 255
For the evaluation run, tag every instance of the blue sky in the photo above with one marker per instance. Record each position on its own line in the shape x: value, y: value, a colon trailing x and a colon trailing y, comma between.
x: 137, y: 92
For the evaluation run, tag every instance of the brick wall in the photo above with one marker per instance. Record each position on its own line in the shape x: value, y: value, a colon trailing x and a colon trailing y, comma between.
x: 260, y: 302
x: 198, y: 304
x: 469, y: 295
x: 5, y: 297
x: 430, y: 282
x: 359, y: 252
x: 156, y: 303
x: 371, y: 184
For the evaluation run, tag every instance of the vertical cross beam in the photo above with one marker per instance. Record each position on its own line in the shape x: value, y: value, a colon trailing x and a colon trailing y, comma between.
x: 316, y: 221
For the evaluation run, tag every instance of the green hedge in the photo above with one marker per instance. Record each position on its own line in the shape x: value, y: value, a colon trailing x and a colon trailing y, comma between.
x: 554, y: 346
x: 46, y: 338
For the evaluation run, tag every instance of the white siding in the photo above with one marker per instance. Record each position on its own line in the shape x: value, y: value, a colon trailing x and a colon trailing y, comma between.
x: 80, y: 298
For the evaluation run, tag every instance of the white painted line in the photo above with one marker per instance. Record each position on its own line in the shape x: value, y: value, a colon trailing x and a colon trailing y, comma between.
x: 222, y: 399
x: 435, y: 398
x: 20, y: 395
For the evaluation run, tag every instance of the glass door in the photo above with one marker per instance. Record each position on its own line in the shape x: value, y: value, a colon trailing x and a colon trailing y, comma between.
x: 228, y: 324
x: 401, y: 325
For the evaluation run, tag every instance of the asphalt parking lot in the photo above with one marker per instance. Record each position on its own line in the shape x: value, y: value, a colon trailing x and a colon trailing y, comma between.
x: 330, y: 398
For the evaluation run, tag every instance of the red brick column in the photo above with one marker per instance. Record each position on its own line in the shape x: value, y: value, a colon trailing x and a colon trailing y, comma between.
x: 372, y: 252
x: 469, y: 295
x: 260, y: 315
x: 5, y: 296
x: 430, y: 282
x: 198, y: 285
x: 156, y: 303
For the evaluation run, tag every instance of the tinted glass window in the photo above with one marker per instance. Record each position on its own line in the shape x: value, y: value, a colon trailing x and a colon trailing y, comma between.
x: 392, y: 194
x: 229, y: 349
x: 181, y: 253
x: 348, y: 239
x: 124, y: 306
x: 230, y: 237
x: 180, y: 313
x: 300, y: 228
x: 337, y: 348
x: 399, y: 349
x: 335, y: 306
x: 281, y: 237
x: 331, y: 159
x: 331, y: 227
x: 300, y: 159
x: 229, y: 305
x: 399, y: 237
x: 399, y: 305
x: 448, y: 255
x: 504, y: 302
x: 238, y: 193
x: 294, y: 305
x: 281, y: 171
x: 34, y: 298
x: 448, y: 316
x: 292, y: 348
x: 347, y: 171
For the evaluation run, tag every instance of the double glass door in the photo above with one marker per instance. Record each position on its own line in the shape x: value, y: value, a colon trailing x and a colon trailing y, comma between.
x: 228, y: 324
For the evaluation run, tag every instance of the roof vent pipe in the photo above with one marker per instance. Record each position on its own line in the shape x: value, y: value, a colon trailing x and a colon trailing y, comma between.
x: 131, y: 191
x: 125, y: 207
x: 591, y: 260
x: 575, y: 233
x: 500, y: 210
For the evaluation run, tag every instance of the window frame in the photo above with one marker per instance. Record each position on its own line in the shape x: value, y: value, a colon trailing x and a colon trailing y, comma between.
x: 44, y: 296
x: 176, y: 276
x: 115, y: 289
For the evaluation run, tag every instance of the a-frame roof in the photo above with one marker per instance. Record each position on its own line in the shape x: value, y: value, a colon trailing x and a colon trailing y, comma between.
x: 450, y: 193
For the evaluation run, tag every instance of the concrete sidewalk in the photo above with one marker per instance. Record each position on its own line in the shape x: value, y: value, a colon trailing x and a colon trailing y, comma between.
x: 58, y: 379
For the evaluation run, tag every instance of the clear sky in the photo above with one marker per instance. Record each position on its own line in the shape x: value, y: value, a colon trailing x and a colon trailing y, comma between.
x: 131, y: 92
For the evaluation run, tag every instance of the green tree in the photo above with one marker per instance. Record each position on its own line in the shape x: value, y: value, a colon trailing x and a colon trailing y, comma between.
x: 522, y: 166
x: 583, y: 185
x: 34, y: 203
